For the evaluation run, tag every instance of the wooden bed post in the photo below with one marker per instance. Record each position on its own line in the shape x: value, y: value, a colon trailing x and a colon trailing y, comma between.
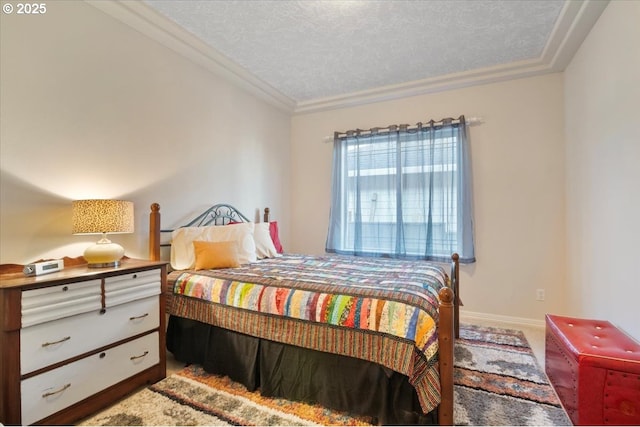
x: 445, y: 350
x: 266, y: 215
x: 455, y: 286
x: 154, y: 232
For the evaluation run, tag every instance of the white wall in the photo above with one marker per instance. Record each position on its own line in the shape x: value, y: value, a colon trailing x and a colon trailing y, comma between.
x: 602, y: 103
x: 94, y: 109
x: 519, y: 184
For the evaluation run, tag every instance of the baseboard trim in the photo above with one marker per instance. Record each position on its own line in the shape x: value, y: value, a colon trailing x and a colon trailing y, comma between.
x: 470, y: 316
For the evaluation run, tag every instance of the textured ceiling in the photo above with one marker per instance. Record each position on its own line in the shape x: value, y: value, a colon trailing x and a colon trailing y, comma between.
x: 317, y: 49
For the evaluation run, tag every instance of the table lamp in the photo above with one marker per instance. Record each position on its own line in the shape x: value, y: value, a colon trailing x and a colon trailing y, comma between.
x: 100, y: 216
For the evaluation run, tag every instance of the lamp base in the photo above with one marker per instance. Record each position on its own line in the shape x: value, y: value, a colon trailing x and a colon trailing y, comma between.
x: 104, y: 253
x: 104, y: 264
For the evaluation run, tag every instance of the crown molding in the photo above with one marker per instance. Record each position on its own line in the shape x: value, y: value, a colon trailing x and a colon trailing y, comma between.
x: 156, y: 26
x: 431, y: 85
x: 573, y: 25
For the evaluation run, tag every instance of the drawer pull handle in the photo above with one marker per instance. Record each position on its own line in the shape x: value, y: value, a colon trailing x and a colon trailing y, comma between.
x: 138, y: 317
x: 135, y: 276
x: 65, y: 289
x: 47, y: 344
x: 51, y: 393
x: 138, y: 357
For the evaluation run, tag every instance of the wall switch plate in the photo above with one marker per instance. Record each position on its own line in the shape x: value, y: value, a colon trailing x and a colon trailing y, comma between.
x: 540, y: 294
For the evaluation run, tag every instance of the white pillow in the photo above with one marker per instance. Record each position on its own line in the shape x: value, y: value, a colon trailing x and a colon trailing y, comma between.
x: 264, y: 245
x: 182, y: 253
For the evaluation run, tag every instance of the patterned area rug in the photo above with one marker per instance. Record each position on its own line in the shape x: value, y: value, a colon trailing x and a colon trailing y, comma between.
x: 194, y: 397
x: 498, y: 382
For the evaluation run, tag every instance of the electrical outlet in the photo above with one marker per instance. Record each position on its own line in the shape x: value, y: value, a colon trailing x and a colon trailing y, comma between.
x: 540, y: 294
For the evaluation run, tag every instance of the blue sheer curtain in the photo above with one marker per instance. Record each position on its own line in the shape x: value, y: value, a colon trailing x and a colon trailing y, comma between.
x: 403, y: 192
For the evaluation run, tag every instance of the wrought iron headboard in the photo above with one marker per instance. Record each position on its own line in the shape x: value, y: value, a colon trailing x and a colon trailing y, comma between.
x: 220, y: 214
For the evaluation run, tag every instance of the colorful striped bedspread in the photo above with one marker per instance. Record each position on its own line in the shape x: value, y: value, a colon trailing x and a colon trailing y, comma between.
x: 380, y: 310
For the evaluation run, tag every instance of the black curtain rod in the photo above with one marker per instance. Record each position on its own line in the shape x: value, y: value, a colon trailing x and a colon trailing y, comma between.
x: 405, y: 127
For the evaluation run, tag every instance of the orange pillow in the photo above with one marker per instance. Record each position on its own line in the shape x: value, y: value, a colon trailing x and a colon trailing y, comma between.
x: 210, y: 255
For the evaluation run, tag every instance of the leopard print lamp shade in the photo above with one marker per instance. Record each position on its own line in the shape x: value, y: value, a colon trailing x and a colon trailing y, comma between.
x: 102, y: 216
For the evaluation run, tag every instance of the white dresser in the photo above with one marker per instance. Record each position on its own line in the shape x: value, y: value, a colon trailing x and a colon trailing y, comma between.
x: 76, y: 340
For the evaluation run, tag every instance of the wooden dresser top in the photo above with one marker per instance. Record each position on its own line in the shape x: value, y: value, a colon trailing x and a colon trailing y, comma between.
x: 74, y: 273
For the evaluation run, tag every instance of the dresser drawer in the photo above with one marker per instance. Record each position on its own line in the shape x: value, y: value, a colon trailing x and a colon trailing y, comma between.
x: 55, y: 302
x: 52, y: 342
x: 55, y: 390
x: 128, y: 287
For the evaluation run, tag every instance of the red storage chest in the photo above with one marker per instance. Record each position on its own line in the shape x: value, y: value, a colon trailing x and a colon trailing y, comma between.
x: 595, y: 370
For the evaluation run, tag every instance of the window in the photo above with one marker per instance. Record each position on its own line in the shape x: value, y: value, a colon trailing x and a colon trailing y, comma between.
x: 402, y: 192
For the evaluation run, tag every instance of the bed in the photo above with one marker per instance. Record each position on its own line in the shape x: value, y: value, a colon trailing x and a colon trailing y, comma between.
x: 370, y: 336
